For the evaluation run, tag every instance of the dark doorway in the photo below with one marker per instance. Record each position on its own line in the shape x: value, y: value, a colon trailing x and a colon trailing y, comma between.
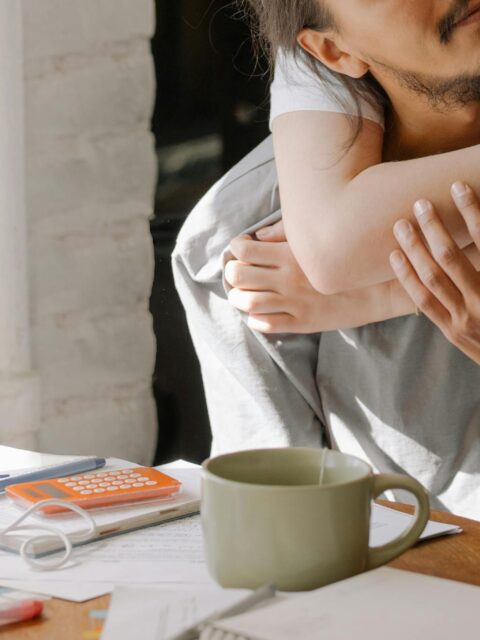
x: 211, y: 109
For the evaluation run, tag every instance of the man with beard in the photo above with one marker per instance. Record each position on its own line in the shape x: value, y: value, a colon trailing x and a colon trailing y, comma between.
x: 396, y: 392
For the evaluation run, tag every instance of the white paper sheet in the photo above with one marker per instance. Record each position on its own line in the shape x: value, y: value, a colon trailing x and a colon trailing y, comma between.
x: 72, y: 591
x: 171, y: 552
x: 178, y: 542
x: 385, y: 603
x: 9, y: 594
x: 151, y: 613
x: 12, y: 459
x: 387, y: 524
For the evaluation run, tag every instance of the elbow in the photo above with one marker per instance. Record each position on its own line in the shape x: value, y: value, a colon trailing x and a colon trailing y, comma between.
x: 327, y: 283
x: 327, y: 273
x: 325, y: 259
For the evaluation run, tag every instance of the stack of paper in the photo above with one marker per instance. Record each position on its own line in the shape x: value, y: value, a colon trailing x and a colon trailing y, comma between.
x: 110, y: 520
x: 170, y: 553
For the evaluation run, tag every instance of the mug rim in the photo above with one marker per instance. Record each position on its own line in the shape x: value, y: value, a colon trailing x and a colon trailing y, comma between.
x: 369, y: 471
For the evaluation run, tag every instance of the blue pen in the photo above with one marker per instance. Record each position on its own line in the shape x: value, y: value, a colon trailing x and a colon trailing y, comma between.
x: 54, y: 471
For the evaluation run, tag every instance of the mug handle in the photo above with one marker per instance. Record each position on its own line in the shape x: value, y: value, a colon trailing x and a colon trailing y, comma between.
x: 378, y: 556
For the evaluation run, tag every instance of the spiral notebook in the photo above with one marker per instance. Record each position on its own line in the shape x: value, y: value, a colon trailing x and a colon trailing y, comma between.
x: 384, y: 603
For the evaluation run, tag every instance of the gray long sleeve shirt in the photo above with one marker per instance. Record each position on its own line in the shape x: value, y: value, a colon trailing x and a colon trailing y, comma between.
x: 396, y: 393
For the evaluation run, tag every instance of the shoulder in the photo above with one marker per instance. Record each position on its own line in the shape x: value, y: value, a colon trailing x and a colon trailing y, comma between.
x: 297, y: 86
x: 247, y: 194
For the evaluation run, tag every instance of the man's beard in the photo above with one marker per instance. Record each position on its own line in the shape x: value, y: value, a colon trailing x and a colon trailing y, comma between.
x: 442, y: 94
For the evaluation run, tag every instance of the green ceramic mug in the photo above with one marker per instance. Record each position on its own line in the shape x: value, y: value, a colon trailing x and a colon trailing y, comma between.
x: 273, y: 516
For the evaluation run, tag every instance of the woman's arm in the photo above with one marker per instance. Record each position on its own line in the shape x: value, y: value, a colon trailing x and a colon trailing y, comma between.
x: 271, y: 287
x: 339, y: 207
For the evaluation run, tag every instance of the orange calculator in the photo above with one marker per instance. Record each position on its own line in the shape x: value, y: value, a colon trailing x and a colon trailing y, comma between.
x: 103, y: 489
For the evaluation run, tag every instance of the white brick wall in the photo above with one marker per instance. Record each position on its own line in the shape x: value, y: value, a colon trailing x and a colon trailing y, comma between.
x: 89, y: 88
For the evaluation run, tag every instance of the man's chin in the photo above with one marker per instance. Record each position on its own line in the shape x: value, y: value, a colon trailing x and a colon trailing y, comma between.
x: 444, y: 93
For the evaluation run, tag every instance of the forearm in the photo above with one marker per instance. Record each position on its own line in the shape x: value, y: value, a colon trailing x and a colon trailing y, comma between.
x: 360, y: 307
x: 339, y: 211
x: 393, y: 189
x: 269, y: 285
x: 380, y: 302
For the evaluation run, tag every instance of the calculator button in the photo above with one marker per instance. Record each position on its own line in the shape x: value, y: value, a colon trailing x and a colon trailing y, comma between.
x: 142, y: 479
x: 62, y: 480
x: 112, y: 488
x: 91, y: 486
x: 103, y: 484
x: 138, y: 484
x: 130, y: 480
x: 117, y: 482
x: 77, y: 488
x: 83, y: 482
x: 135, y: 475
x: 124, y: 486
x: 99, y: 491
x: 122, y: 477
x: 151, y: 482
x: 113, y: 473
x: 85, y: 492
x: 71, y: 484
x: 75, y: 478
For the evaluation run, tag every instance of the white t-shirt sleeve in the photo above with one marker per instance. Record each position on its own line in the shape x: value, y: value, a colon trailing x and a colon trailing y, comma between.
x: 295, y: 87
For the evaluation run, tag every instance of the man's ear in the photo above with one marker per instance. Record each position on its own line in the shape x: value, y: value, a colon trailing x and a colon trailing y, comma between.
x: 323, y: 46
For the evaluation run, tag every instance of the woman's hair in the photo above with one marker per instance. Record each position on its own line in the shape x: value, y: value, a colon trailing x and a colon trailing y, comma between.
x: 276, y: 24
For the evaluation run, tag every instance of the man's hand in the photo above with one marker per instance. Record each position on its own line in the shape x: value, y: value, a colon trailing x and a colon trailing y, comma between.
x: 440, y: 279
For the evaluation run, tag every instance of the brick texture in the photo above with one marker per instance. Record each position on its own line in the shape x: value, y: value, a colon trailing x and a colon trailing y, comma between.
x: 89, y: 90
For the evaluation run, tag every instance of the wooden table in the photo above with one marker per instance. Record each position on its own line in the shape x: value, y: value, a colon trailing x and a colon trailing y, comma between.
x: 456, y: 557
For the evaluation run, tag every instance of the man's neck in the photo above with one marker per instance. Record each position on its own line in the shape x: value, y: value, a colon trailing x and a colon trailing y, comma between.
x: 415, y: 129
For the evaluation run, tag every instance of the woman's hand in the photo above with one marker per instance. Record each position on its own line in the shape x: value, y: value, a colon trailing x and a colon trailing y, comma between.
x: 270, y: 286
x: 442, y: 282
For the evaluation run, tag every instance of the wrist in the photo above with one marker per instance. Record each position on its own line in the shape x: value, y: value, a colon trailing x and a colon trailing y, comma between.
x: 400, y: 302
